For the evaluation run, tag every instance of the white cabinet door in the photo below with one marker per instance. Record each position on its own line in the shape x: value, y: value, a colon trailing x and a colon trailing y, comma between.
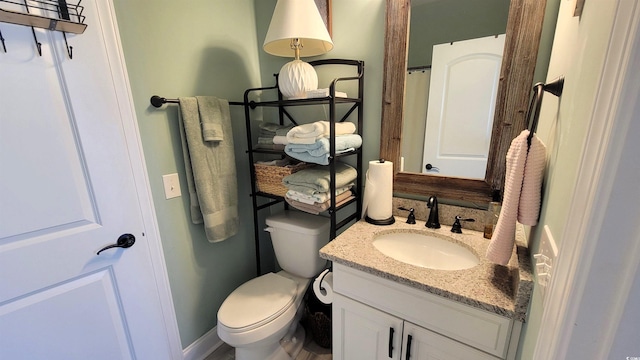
x: 361, y: 332
x: 422, y: 344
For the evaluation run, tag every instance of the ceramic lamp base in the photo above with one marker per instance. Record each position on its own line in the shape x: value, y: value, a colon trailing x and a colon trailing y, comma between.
x: 296, y: 78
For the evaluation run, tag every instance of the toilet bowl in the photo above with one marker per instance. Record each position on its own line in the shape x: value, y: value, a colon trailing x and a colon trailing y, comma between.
x: 260, y: 318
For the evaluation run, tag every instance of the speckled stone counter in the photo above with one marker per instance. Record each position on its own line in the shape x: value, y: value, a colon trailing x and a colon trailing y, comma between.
x: 504, y: 290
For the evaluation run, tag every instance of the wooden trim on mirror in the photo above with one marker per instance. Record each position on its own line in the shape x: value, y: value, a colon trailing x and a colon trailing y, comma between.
x: 524, y: 29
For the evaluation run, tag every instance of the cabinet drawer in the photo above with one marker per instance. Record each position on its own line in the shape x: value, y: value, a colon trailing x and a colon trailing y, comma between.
x: 475, y: 327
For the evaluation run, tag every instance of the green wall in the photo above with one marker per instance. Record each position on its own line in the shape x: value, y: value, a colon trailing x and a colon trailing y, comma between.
x: 204, y: 48
x: 175, y: 49
x: 579, y: 54
x: 443, y: 21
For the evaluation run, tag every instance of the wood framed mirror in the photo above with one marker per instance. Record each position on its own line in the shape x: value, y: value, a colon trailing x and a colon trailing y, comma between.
x: 524, y: 28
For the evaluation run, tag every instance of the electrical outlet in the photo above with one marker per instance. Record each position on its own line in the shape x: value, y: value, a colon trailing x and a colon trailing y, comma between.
x: 171, y: 186
x: 545, y: 260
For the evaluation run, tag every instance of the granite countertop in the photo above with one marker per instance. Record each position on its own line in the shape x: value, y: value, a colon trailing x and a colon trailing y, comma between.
x: 504, y: 290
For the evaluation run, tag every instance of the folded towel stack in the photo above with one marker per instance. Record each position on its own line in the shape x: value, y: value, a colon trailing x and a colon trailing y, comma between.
x: 310, y: 133
x: 317, y: 208
x: 310, y: 142
x: 309, y: 189
x: 268, y: 131
x: 319, y: 151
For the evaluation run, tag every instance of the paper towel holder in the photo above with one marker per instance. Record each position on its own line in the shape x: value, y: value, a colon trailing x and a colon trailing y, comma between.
x: 388, y: 221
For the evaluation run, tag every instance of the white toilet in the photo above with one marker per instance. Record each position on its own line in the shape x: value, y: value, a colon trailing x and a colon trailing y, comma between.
x: 260, y: 318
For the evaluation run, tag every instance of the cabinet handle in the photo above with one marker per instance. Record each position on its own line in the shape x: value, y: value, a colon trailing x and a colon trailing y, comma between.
x: 409, y: 338
x: 391, y: 331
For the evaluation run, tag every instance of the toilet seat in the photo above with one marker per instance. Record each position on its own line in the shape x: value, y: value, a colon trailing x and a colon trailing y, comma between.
x: 257, y: 302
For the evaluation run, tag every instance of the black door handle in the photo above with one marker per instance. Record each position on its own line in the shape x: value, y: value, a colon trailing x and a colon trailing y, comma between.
x: 124, y: 241
x: 409, y: 338
x: 391, y: 331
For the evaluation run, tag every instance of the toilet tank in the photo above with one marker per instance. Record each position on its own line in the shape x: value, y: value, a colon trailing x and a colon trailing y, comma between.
x: 297, y: 238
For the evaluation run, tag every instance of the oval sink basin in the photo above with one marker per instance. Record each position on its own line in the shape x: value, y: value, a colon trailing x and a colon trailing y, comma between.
x: 426, y: 251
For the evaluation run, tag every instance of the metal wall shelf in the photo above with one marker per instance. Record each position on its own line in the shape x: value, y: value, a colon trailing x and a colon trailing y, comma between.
x: 58, y: 15
x: 18, y: 18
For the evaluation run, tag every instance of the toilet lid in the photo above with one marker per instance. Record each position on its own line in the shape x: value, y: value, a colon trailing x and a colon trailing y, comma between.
x: 257, y: 302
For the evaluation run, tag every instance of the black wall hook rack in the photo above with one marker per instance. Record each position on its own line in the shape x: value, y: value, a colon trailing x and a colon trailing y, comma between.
x: 533, y: 114
x: 56, y: 15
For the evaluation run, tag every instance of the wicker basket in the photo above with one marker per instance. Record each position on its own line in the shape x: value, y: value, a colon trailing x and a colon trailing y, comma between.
x: 319, y: 325
x: 269, y: 177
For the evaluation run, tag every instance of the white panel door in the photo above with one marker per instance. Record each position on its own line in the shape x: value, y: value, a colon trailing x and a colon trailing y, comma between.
x: 66, y: 191
x: 361, y: 332
x: 462, y: 96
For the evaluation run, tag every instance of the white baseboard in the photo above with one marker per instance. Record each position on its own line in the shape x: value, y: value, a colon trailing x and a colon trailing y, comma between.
x: 204, y: 346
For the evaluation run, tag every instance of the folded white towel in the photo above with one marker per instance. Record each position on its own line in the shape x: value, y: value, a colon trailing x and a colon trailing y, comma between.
x: 280, y: 139
x: 316, y: 198
x: 502, y: 240
x: 530, y: 196
x: 310, y: 133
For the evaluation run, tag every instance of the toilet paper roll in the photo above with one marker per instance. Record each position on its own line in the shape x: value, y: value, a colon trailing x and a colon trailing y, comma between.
x: 377, y: 203
x: 323, y: 287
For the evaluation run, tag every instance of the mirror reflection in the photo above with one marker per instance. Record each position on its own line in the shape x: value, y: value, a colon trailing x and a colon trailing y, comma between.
x: 454, y: 57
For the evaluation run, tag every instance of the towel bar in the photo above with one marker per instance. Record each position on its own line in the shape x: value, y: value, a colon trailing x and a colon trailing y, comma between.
x: 158, y: 101
x: 555, y: 87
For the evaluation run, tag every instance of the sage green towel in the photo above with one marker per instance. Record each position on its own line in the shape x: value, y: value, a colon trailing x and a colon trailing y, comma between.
x: 317, y: 179
x: 210, y: 167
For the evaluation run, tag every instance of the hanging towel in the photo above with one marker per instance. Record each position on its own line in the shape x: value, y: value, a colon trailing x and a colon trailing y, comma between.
x: 210, y: 167
x: 309, y: 133
x: 210, y: 118
x: 530, y: 196
x: 501, y: 245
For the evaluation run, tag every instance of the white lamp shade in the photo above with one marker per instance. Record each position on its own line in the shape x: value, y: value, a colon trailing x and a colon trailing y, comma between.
x: 297, y: 19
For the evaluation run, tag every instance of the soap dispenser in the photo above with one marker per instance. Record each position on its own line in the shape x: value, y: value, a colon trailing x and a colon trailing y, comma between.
x: 491, y: 219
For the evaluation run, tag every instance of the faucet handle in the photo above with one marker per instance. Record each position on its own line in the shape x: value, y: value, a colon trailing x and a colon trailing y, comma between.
x: 457, y: 227
x: 411, y: 218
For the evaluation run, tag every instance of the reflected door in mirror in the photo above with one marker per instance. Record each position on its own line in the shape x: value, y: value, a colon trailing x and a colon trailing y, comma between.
x: 464, y: 84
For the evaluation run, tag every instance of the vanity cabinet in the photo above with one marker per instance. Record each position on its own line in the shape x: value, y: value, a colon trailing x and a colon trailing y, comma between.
x: 362, y: 332
x: 375, y: 318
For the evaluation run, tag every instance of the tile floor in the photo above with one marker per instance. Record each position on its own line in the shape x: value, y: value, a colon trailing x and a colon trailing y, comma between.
x: 310, y: 351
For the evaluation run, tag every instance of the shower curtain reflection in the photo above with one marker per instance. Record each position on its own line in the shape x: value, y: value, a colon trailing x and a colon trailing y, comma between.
x: 415, y: 113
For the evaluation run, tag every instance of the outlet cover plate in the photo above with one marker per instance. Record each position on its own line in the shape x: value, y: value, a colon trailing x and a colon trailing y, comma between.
x: 545, y: 260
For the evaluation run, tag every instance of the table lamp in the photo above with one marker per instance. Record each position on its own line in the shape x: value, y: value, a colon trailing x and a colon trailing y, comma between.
x: 296, y: 30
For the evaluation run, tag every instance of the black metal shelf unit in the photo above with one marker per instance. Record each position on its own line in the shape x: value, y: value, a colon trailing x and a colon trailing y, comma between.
x: 349, y: 105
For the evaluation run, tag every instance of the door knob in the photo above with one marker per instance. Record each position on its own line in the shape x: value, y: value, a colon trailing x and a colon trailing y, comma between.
x: 431, y: 168
x: 124, y: 241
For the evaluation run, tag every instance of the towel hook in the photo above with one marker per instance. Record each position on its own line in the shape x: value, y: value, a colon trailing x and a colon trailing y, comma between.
x: 33, y: 31
x: 555, y: 87
x: 4, y: 47
x: 69, y: 48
